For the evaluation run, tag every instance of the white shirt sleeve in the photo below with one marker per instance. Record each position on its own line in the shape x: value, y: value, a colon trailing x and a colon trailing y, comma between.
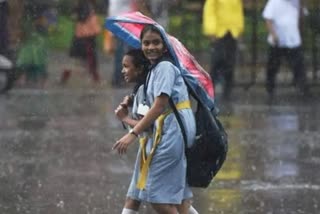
x: 268, y: 10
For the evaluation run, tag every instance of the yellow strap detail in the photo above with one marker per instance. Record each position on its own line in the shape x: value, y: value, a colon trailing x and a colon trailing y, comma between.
x: 143, y: 155
x: 145, y: 161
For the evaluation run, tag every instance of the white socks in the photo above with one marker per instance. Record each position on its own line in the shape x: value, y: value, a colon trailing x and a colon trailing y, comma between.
x: 128, y: 211
x: 192, y: 210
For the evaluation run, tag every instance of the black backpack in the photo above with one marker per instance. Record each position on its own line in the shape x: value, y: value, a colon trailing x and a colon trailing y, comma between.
x: 207, y: 155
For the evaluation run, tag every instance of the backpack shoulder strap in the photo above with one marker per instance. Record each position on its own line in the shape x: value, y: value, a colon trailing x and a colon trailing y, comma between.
x: 176, y: 113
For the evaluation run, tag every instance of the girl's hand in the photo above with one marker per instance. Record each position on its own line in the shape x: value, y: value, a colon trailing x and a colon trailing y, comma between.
x: 121, y: 112
x: 122, y: 144
x: 127, y: 101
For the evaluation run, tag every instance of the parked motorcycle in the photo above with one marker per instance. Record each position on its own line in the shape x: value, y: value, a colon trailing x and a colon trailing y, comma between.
x: 6, y: 74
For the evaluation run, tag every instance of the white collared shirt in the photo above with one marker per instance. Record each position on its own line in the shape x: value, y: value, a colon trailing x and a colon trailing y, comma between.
x: 285, y: 17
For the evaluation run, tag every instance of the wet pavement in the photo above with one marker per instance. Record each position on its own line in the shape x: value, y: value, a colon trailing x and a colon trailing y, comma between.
x: 56, y: 158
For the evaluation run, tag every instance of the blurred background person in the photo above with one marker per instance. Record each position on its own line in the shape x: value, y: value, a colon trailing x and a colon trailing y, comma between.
x: 282, y: 19
x: 84, y: 47
x: 158, y: 10
x: 117, y: 47
x: 223, y: 23
x: 32, y: 56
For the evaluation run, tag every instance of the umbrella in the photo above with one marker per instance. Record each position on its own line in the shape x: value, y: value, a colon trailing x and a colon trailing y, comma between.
x: 128, y: 27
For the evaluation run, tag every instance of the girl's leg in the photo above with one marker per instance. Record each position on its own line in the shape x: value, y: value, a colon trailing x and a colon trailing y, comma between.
x: 131, y: 206
x: 192, y: 210
x: 183, y: 208
x: 186, y: 208
x: 128, y: 211
x: 165, y: 208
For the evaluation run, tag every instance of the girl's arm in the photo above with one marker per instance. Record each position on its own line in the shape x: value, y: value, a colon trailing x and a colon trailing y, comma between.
x: 122, y: 114
x: 130, y: 122
x: 158, y: 107
x: 122, y: 111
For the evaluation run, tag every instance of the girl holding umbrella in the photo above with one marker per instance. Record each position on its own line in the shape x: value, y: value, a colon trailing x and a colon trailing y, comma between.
x: 160, y: 174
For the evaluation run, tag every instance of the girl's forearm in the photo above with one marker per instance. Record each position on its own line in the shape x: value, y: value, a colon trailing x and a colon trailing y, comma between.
x: 130, y: 122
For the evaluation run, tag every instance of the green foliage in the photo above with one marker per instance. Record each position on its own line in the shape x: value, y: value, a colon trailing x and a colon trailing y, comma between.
x: 188, y: 29
x: 61, y: 36
x: 249, y: 33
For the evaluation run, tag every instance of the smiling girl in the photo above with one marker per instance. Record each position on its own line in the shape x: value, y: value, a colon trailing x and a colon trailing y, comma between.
x: 160, y: 175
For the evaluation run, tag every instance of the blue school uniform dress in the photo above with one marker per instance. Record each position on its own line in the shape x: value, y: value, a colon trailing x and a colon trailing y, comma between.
x: 160, y: 171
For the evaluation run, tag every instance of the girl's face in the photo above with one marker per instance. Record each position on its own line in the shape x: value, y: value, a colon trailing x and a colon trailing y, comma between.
x: 129, y: 70
x: 152, y: 46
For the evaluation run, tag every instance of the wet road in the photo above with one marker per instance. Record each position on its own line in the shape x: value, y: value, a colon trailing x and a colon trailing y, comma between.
x: 56, y: 157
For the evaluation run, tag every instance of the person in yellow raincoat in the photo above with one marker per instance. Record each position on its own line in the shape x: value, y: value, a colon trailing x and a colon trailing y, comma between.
x: 223, y: 23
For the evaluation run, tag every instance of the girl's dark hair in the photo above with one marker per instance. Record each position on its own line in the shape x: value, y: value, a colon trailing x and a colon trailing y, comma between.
x: 150, y: 27
x: 139, y: 60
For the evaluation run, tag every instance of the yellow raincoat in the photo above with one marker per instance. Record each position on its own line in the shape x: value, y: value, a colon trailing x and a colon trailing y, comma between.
x: 221, y: 16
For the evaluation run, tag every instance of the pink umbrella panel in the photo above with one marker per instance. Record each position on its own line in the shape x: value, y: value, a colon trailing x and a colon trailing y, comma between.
x: 128, y: 27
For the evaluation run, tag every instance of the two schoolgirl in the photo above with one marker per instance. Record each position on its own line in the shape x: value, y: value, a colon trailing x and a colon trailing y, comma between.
x: 159, y: 177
